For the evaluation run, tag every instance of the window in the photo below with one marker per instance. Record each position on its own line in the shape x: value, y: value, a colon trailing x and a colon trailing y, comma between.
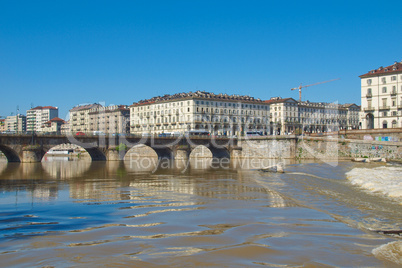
x: 369, y: 91
x: 384, y: 90
x: 384, y: 102
x: 393, y: 78
x: 384, y: 80
x: 369, y: 81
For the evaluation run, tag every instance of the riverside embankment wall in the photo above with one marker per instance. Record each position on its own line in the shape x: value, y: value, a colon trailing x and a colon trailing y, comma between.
x: 292, y: 147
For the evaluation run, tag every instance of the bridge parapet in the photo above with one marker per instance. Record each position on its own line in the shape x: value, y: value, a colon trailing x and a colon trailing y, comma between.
x: 105, y: 147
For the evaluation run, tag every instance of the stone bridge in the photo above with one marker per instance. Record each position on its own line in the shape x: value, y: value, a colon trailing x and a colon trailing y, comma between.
x: 32, y: 148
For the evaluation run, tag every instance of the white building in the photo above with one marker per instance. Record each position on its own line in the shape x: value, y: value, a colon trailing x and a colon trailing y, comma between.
x: 39, y: 115
x: 95, y: 117
x: 110, y: 119
x: 15, y: 123
x: 352, y: 115
x: 219, y: 114
x: 289, y: 116
x: 381, y: 97
x: 79, y: 117
x: 284, y: 115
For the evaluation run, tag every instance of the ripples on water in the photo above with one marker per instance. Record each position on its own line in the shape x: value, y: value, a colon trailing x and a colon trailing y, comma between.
x: 104, y: 214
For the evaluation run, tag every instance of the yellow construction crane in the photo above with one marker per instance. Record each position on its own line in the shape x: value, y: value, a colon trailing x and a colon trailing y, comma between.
x: 300, y: 87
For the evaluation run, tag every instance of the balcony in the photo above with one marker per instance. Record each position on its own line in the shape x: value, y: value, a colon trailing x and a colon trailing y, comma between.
x: 393, y: 93
x: 384, y: 108
x: 369, y: 95
x: 369, y: 109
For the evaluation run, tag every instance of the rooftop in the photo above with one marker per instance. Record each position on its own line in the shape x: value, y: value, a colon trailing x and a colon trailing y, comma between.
x: 274, y: 100
x: 198, y: 95
x: 85, y: 107
x: 44, y: 108
x: 56, y: 119
x: 394, y: 68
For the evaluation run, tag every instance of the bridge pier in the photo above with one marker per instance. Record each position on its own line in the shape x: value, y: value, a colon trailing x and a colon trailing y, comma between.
x: 181, y: 157
x: 31, y: 154
x: 113, y: 154
x: 236, y: 152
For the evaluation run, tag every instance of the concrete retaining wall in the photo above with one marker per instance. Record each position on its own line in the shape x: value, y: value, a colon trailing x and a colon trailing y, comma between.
x: 318, y: 148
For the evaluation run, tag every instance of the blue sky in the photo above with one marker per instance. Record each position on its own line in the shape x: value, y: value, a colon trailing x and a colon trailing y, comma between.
x: 64, y: 53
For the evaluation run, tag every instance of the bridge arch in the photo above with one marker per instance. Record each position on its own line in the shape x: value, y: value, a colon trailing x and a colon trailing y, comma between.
x: 10, y: 153
x: 95, y: 153
x: 219, y: 152
x: 200, y: 157
x: 201, y: 151
x: 141, y: 158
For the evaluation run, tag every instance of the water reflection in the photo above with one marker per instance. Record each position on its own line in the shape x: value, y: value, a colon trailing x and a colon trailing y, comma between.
x: 109, y: 214
x: 88, y: 181
x: 65, y: 169
x: 141, y: 158
x: 3, y: 165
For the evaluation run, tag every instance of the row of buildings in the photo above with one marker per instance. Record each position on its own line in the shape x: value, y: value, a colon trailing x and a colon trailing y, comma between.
x: 223, y: 114
x: 218, y: 114
x: 38, y: 119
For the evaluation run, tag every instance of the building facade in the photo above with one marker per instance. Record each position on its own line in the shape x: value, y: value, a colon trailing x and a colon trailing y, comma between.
x: 15, y: 123
x: 39, y: 115
x: 284, y: 115
x: 65, y: 128
x: 2, y: 125
x: 352, y: 115
x: 97, y: 118
x: 289, y: 116
x: 79, y: 117
x: 53, y: 126
x: 218, y: 114
x: 381, y: 97
x: 110, y: 119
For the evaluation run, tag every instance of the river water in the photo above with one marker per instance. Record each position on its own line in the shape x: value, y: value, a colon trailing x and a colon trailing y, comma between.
x: 105, y: 214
